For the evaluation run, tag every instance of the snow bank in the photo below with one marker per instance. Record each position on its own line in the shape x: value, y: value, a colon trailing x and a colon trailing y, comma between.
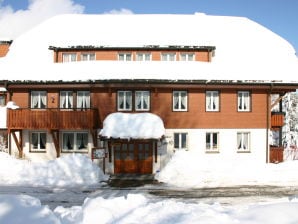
x: 186, y: 169
x: 68, y: 170
x: 137, y: 126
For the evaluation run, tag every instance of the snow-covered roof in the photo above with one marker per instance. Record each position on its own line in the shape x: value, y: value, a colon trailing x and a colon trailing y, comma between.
x: 133, y: 126
x: 245, y: 50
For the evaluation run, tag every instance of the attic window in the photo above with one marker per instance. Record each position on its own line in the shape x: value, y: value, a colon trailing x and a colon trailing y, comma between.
x: 69, y: 57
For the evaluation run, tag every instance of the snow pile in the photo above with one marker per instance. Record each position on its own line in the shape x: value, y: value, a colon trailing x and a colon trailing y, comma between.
x: 139, y: 209
x: 69, y: 170
x: 137, y: 126
x: 186, y: 169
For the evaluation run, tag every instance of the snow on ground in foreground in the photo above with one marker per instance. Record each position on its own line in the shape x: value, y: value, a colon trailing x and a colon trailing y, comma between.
x: 136, y: 208
x: 69, y: 170
x: 202, y: 173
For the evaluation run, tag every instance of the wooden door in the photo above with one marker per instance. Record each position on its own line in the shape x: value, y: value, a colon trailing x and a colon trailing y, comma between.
x: 133, y: 157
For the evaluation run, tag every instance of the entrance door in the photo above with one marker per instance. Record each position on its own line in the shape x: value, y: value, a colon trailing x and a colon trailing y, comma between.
x: 133, y: 157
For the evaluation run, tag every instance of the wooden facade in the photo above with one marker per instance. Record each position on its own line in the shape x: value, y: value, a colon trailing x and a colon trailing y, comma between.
x: 4, y: 47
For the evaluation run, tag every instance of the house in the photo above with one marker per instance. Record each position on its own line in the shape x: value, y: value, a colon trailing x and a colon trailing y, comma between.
x: 130, y: 90
x: 4, y: 47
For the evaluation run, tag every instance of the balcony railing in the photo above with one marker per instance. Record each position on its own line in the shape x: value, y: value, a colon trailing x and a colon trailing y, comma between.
x: 52, y: 118
x: 277, y: 119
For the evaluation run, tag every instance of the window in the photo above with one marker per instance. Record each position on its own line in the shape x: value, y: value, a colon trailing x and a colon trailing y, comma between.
x: 38, y: 141
x: 2, y: 100
x: 87, y: 56
x: 142, y: 100
x: 187, y: 57
x: 243, y: 101
x: 124, y: 100
x: 74, y: 141
x: 168, y: 56
x: 124, y: 57
x: 83, y: 99
x: 212, y: 101
x: 211, y: 141
x: 179, y: 100
x: 143, y: 57
x: 243, y: 142
x: 180, y: 140
x: 66, y: 99
x: 69, y: 57
x: 38, y: 99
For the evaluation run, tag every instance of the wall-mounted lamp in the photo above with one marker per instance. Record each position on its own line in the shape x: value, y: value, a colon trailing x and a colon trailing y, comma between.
x: 53, y: 98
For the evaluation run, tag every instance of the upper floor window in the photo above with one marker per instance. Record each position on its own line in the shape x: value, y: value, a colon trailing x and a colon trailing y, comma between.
x: 74, y: 141
x: 212, y: 101
x: 38, y: 141
x: 243, y: 101
x: 69, y: 57
x: 142, y: 100
x: 125, y: 57
x: 143, y: 57
x: 168, y: 56
x: 2, y: 99
x: 83, y: 99
x: 87, y: 56
x: 66, y: 99
x: 38, y: 99
x: 124, y: 100
x: 243, y: 142
x: 187, y: 57
x: 180, y: 140
x: 179, y: 100
x: 211, y: 141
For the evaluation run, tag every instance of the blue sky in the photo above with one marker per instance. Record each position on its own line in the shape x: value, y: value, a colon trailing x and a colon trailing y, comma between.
x: 280, y: 16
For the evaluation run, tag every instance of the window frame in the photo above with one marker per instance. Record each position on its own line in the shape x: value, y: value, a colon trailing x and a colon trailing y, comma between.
x: 241, y: 101
x: 67, y: 97
x: 86, y: 97
x: 39, y: 101
x: 39, y: 148
x: 142, y: 101
x: 211, y: 147
x: 143, y: 56
x: 74, y: 140
x: 125, y: 55
x: 71, y: 57
x: 179, y: 109
x: 180, y: 141
x: 240, y: 145
x: 166, y: 56
x: 88, y: 54
x: 213, y: 101
x: 130, y: 100
x: 187, y: 55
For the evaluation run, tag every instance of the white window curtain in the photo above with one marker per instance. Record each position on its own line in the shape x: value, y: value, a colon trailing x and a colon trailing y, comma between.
x: 66, y: 99
x: 128, y: 100
x: 68, y: 141
x: 83, y: 99
x: 243, y: 141
x: 38, y: 99
x: 142, y: 100
x: 81, y: 140
x: 243, y: 101
x: 212, y: 100
x: 176, y: 100
x: 124, y: 100
x: 183, y: 100
x: 180, y: 100
x: 120, y: 100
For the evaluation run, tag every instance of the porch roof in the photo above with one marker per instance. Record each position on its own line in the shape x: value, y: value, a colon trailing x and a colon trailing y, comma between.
x: 132, y: 126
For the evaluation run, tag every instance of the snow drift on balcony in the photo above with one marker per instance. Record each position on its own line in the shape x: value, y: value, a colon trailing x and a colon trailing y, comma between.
x: 136, y: 126
x: 245, y: 50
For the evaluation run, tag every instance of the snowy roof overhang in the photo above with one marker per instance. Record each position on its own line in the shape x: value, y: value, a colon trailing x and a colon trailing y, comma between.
x: 132, y: 126
x: 144, y: 47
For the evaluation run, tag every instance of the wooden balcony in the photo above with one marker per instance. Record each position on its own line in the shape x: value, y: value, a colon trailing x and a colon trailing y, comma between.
x: 276, y: 154
x: 52, y: 119
x: 277, y: 119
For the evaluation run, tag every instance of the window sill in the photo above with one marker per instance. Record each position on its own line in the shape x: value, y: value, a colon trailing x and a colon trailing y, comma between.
x: 242, y: 151
x: 212, y: 151
x: 37, y: 151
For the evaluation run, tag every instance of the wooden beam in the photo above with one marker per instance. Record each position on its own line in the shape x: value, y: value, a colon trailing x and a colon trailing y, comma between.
x: 94, y: 136
x: 18, y: 142
x: 55, y: 136
x: 277, y: 101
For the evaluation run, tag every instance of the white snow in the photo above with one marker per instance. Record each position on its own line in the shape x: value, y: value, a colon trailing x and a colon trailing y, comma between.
x: 137, y: 126
x: 70, y: 170
x: 245, y: 50
x: 3, y: 113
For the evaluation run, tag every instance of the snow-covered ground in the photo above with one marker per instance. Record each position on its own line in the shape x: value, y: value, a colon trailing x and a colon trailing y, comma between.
x: 77, y: 170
